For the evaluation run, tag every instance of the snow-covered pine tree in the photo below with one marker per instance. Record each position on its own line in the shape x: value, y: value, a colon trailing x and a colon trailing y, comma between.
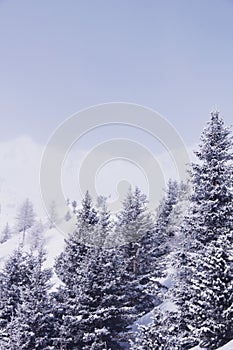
x: 93, y: 305
x: 31, y: 325
x: 203, y: 288
x: 135, y: 224
x: 76, y: 247
x: 157, y: 241
x: 95, y: 310
x: 25, y: 218
x: 213, y: 281
x: 36, y: 235
x: 161, y: 334
x: 14, y: 275
x: 211, y: 201
x: 204, y: 285
x: 178, y: 213
x: 104, y: 227
x: 78, y: 243
x: 166, y: 207
x: 141, y: 250
x: 52, y: 215
x: 87, y: 219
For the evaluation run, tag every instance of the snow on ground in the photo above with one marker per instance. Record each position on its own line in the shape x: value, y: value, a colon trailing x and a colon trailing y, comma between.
x: 54, y: 245
x: 167, y: 281
x: 145, y: 320
x: 7, y: 248
x: 166, y: 305
x: 228, y: 346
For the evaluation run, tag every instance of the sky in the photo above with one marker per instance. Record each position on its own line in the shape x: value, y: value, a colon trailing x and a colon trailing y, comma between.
x: 58, y: 57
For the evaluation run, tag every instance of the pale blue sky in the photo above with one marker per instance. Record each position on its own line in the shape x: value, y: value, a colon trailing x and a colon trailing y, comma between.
x: 58, y: 56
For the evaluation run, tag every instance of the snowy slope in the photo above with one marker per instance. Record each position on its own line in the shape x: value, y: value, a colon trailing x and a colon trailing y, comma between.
x: 228, y: 346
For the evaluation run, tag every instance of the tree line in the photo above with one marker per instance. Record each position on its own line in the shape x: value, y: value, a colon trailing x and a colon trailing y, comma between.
x: 111, y: 269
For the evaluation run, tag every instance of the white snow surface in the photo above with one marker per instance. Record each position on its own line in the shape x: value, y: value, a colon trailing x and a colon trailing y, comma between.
x: 145, y: 320
x: 228, y: 346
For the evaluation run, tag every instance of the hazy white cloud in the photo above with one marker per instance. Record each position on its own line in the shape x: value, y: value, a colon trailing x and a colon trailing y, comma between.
x: 19, y: 178
x: 20, y: 169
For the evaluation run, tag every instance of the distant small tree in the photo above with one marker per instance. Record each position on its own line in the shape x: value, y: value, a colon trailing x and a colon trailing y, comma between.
x: 74, y: 206
x: 25, y: 218
x: 68, y: 216
x: 36, y: 232
x: 101, y: 201
x: 52, y: 215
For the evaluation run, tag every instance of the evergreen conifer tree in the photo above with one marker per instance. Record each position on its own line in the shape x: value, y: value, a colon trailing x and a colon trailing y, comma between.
x: 31, y: 326
x: 203, y: 288
x: 25, y: 218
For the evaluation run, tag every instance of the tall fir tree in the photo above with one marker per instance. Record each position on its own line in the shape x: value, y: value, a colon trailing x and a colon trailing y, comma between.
x: 204, y: 286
